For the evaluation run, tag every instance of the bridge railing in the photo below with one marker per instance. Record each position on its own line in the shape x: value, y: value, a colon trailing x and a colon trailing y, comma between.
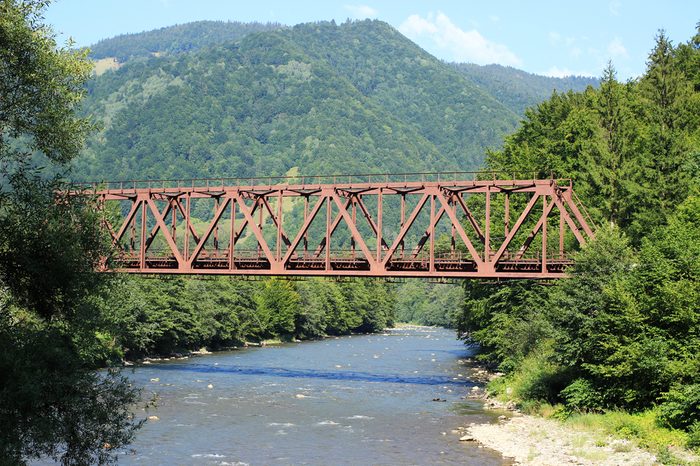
x: 423, y: 177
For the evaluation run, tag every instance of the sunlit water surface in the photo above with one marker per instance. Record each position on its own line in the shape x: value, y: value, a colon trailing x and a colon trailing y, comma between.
x: 353, y: 400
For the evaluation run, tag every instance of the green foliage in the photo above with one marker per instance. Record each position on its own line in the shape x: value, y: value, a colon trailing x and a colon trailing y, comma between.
x: 582, y: 397
x: 680, y: 406
x: 180, y: 38
x: 277, y: 303
x: 519, y: 90
x: 428, y: 304
x: 625, y: 326
x: 694, y: 437
x: 152, y: 316
x: 40, y: 85
x: 538, y: 378
x: 506, y: 320
x: 52, y: 334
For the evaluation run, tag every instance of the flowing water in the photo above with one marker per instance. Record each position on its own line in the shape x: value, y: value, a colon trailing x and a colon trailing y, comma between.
x: 352, y: 400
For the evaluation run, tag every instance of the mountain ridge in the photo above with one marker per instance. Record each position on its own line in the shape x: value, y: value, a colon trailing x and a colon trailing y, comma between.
x: 316, y: 97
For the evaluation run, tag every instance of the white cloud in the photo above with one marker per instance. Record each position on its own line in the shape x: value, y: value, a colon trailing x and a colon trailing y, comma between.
x: 459, y: 45
x: 614, y: 7
x: 495, y: 18
x: 554, y: 38
x: 361, y: 11
x: 556, y: 72
x: 617, y: 49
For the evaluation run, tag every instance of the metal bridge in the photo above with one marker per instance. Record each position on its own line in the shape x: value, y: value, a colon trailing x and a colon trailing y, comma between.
x: 447, y: 225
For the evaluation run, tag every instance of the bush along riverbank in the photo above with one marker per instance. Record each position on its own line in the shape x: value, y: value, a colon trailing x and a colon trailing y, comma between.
x: 545, y: 434
x: 163, y: 317
x: 615, y: 346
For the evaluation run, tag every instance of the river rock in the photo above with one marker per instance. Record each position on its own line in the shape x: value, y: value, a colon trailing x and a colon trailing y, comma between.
x: 467, y: 438
x: 210, y: 386
x: 153, y: 418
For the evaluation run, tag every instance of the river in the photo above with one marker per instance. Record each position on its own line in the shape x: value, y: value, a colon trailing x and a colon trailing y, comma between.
x: 353, y: 400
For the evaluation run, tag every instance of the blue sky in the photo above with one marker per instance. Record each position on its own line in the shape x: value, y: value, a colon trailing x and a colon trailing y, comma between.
x: 554, y: 38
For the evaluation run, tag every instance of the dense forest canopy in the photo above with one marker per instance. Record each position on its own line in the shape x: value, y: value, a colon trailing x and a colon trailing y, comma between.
x: 176, y: 39
x: 624, y: 330
x: 52, y: 400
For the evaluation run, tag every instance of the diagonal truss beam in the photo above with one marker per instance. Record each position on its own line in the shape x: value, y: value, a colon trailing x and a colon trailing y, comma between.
x: 516, y: 228
x: 248, y: 214
x: 164, y: 229
x: 404, y: 229
x: 460, y: 230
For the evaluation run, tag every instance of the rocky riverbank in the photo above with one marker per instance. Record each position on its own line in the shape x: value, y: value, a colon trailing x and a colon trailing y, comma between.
x: 533, y: 440
x: 537, y: 441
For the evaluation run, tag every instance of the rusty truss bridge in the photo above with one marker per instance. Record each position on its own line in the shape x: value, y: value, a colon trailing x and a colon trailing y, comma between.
x: 447, y: 225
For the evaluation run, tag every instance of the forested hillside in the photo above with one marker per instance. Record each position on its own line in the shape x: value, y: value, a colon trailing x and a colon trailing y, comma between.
x: 356, y: 97
x: 517, y: 89
x: 623, y: 331
x: 175, y: 39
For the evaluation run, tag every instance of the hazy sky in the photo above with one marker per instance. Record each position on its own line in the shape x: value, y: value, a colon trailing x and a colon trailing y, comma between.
x: 555, y: 38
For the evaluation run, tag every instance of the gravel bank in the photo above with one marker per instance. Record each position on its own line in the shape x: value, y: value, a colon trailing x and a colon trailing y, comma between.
x: 538, y: 441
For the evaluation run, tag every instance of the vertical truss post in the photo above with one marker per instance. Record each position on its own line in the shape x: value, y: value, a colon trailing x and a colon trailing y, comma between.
x: 561, y: 234
x: 506, y: 223
x: 403, y: 219
x: 142, y: 251
x: 354, y: 221
x: 380, y: 215
x: 306, y: 233
x: 279, y: 225
x: 232, y: 237
x: 216, y: 228
x: 328, y: 233
x: 174, y: 220
x: 132, y: 233
x: 545, y: 215
x: 487, y: 226
x: 431, y: 229
x: 260, y: 223
x: 453, y: 207
x: 188, y: 201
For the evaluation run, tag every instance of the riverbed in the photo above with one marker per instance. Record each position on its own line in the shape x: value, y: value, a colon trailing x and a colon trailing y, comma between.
x: 391, y: 398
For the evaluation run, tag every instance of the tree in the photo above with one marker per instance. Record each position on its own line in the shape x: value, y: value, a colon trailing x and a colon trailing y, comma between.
x: 52, y: 401
x: 277, y: 303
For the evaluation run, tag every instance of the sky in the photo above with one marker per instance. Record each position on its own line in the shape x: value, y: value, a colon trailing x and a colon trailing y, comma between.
x: 553, y: 38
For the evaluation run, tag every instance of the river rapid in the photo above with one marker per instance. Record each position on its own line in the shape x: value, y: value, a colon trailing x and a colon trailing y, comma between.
x: 361, y: 400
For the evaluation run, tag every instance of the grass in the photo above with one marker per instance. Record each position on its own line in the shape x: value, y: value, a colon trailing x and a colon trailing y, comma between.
x: 105, y: 64
x: 622, y: 430
x: 640, y: 428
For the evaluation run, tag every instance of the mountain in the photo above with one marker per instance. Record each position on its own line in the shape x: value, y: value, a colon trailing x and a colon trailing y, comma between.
x: 214, y: 99
x: 517, y: 89
x: 175, y: 39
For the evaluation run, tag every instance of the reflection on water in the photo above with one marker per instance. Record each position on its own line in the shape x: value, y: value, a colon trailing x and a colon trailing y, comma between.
x: 316, y: 374
x: 353, y: 400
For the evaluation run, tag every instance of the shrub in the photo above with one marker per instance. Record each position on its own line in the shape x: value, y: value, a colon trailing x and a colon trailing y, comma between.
x: 581, y: 397
x: 694, y: 437
x: 680, y: 406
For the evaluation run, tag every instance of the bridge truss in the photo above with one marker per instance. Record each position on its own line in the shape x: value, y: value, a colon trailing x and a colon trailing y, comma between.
x: 436, y: 225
